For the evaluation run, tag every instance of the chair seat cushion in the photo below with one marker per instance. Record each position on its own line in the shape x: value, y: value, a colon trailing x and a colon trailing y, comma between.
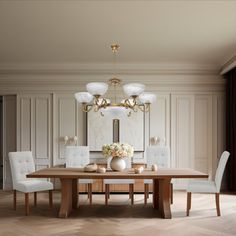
x: 201, y: 186
x: 148, y: 181
x: 34, y: 185
x: 85, y: 181
x: 119, y: 181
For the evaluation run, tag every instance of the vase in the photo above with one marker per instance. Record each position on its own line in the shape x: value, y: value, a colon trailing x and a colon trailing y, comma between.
x: 117, y: 164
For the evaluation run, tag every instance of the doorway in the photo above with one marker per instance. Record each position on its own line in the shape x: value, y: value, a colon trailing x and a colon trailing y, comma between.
x: 7, y: 138
x: 1, y: 142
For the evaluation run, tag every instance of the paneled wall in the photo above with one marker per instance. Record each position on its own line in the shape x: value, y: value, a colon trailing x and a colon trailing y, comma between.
x: 34, y: 127
x: 189, y: 114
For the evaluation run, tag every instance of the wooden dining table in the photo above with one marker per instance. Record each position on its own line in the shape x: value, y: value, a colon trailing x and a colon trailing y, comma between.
x: 161, y: 184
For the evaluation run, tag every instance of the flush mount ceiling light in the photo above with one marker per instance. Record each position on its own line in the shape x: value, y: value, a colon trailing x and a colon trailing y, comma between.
x: 94, y: 98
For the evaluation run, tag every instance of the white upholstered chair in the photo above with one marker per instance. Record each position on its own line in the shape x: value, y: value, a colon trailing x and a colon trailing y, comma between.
x: 208, y: 186
x: 77, y: 157
x: 159, y: 155
x: 22, y: 163
x: 129, y: 182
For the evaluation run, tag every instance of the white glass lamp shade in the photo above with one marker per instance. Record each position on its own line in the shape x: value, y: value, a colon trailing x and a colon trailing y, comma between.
x: 97, y: 88
x: 83, y: 97
x: 147, y: 98
x: 133, y: 89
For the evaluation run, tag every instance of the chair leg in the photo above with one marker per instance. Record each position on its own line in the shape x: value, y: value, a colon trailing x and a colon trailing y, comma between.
x: 188, y: 203
x: 106, y: 193
x: 50, y: 199
x: 90, y: 193
x: 35, y: 198
x: 131, y: 193
x: 26, y: 204
x: 217, y: 197
x: 171, y: 193
x: 87, y: 186
x: 14, y: 199
x: 146, y: 190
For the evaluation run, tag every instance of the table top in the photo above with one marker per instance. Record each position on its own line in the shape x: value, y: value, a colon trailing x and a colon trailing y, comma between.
x: 78, y: 173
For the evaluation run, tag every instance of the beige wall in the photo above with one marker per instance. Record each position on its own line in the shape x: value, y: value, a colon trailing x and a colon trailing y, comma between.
x: 189, y: 113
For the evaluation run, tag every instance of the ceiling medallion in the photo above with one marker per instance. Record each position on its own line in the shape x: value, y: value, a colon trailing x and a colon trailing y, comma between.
x: 94, y: 100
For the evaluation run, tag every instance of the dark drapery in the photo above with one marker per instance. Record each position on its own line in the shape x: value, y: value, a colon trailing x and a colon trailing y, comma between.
x: 231, y: 126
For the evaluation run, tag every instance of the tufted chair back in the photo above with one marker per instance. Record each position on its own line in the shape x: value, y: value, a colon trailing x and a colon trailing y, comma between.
x: 22, y: 163
x: 77, y: 156
x: 159, y: 155
x: 220, y: 169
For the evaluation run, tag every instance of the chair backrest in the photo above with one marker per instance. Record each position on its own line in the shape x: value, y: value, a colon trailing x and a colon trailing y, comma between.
x: 126, y: 159
x: 220, y: 169
x: 22, y: 163
x: 77, y: 156
x: 159, y: 155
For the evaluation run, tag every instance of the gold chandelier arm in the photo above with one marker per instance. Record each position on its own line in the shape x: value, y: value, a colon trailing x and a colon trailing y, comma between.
x: 144, y: 108
x: 99, y: 104
x: 86, y: 108
x: 128, y: 103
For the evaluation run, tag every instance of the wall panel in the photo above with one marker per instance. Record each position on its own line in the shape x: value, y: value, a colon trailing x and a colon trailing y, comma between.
x: 203, y: 133
x: 160, y: 117
x: 182, y: 133
x: 35, y: 126
x: 65, y: 124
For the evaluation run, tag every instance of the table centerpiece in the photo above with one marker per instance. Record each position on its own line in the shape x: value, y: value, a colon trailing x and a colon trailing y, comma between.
x: 118, y: 151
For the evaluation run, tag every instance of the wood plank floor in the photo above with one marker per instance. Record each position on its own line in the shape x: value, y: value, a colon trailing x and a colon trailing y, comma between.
x: 119, y: 217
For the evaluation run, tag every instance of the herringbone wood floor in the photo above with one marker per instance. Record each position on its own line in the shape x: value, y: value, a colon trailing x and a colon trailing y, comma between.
x: 119, y: 218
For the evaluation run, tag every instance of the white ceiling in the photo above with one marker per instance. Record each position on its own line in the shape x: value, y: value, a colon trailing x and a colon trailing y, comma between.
x: 156, y: 32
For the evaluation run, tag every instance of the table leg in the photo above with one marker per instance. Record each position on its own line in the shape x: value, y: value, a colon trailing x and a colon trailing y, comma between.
x: 66, y: 198
x: 155, y: 194
x: 164, y: 198
x: 74, y: 193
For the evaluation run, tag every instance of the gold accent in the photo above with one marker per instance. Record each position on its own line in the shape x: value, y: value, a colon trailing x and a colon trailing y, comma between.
x: 115, y: 47
x: 114, y: 81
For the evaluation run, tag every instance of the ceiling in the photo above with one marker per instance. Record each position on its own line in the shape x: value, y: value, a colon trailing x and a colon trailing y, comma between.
x: 155, y: 32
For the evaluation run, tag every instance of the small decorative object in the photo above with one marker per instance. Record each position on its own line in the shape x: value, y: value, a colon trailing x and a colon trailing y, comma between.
x: 66, y: 138
x: 155, y: 140
x: 75, y: 139
x: 101, y: 170
x: 118, y: 152
x: 154, y: 167
x: 92, y: 167
x: 138, y: 170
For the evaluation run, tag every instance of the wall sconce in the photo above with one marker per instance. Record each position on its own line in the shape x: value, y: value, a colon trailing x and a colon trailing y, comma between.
x: 75, y: 140
x: 70, y: 139
x: 158, y: 141
x: 66, y: 138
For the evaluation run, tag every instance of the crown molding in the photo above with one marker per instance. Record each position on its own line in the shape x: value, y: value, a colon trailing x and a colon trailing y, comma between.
x: 105, y: 68
x: 230, y: 64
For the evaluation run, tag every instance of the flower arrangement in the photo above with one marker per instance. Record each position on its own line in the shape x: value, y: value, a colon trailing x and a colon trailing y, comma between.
x: 117, y: 150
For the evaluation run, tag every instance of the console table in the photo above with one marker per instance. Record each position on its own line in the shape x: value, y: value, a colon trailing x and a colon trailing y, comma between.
x: 161, y: 184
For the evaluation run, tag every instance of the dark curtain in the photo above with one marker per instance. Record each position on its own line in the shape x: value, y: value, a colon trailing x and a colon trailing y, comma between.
x: 231, y: 127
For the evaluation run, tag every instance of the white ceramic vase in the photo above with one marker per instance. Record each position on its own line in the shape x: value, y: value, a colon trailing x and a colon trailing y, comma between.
x: 117, y: 164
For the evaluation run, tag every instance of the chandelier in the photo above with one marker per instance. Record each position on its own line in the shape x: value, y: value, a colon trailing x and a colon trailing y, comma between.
x: 94, y: 100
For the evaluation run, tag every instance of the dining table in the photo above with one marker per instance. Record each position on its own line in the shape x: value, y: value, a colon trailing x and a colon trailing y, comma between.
x: 161, y: 184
